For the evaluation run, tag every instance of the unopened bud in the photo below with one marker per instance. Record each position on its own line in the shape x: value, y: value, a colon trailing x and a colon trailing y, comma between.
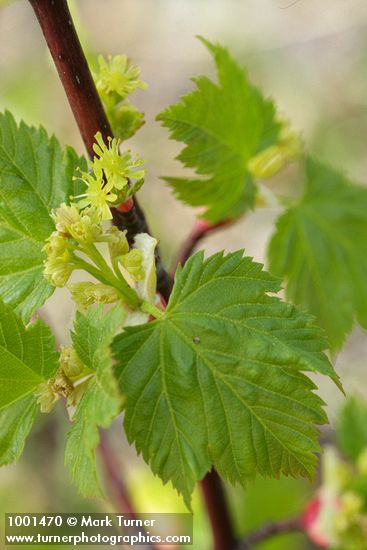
x: 133, y: 263
x: 70, y: 363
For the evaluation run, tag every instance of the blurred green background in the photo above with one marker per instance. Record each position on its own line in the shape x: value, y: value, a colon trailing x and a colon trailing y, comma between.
x: 310, y: 55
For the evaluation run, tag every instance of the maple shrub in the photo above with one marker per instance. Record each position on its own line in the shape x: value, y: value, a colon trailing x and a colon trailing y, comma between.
x: 211, y: 368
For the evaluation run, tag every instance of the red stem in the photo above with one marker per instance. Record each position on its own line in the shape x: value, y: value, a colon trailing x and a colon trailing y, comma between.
x: 116, y: 485
x: 200, y: 230
x: 218, y: 511
x: 283, y: 527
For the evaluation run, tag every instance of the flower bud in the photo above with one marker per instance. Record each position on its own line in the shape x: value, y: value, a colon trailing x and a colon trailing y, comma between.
x: 61, y: 385
x: 58, y: 270
x: 117, y: 242
x: 80, y: 296
x: 70, y: 363
x: 88, y: 229
x: 46, y: 397
x: 85, y: 294
x: 272, y: 159
x: 56, y: 245
x: 266, y: 163
x: 64, y: 216
x: 103, y: 294
x: 133, y: 263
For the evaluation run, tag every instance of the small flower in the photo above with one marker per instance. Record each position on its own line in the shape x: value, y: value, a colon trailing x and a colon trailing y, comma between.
x: 57, y: 270
x: 70, y: 363
x: 351, y: 506
x: 56, y: 246
x: 104, y: 294
x: 83, y: 226
x: 98, y: 195
x: 64, y: 217
x: 117, y: 169
x: 117, y: 76
x: 61, y: 385
x: 46, y: 398
x: 80, y: 296
x: 117, y: 242
x: 133, y: 263
x: 88, y: 229
x: 48, y: 393
x: 85, y: 294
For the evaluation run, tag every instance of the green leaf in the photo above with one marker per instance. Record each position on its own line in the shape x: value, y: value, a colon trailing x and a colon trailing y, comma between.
x: 223, y: 125
x: 319, y: 248
x: 27, y: 356
x: 218, y: 381
x: 101, y: 401
x: 16, y: 422
x: 35, y: 176
x: 351, y: 429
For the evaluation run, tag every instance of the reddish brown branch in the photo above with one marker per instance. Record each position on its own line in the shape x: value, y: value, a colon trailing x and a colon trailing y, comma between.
x: 218, y: 511
x: 64, y: 45
x: 201, y: 229
x: 116, y: 485
x: 71, y: 64
x: 283, y: 527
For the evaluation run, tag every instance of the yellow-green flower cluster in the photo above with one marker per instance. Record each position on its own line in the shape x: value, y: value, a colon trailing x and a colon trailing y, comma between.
x: 271, y: 160
x: 115, y: 79
x: 128, y: 276
x: 343, y: 498
x: 110, y: 181
x: 74, y: 246
x: 69, y: 382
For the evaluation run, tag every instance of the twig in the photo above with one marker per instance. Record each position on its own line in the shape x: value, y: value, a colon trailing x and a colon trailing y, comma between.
x: 116, y: 485
x: 270, y: 530
x: 218, y: 511
x: 64, y: 45
x: 201, y: 229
